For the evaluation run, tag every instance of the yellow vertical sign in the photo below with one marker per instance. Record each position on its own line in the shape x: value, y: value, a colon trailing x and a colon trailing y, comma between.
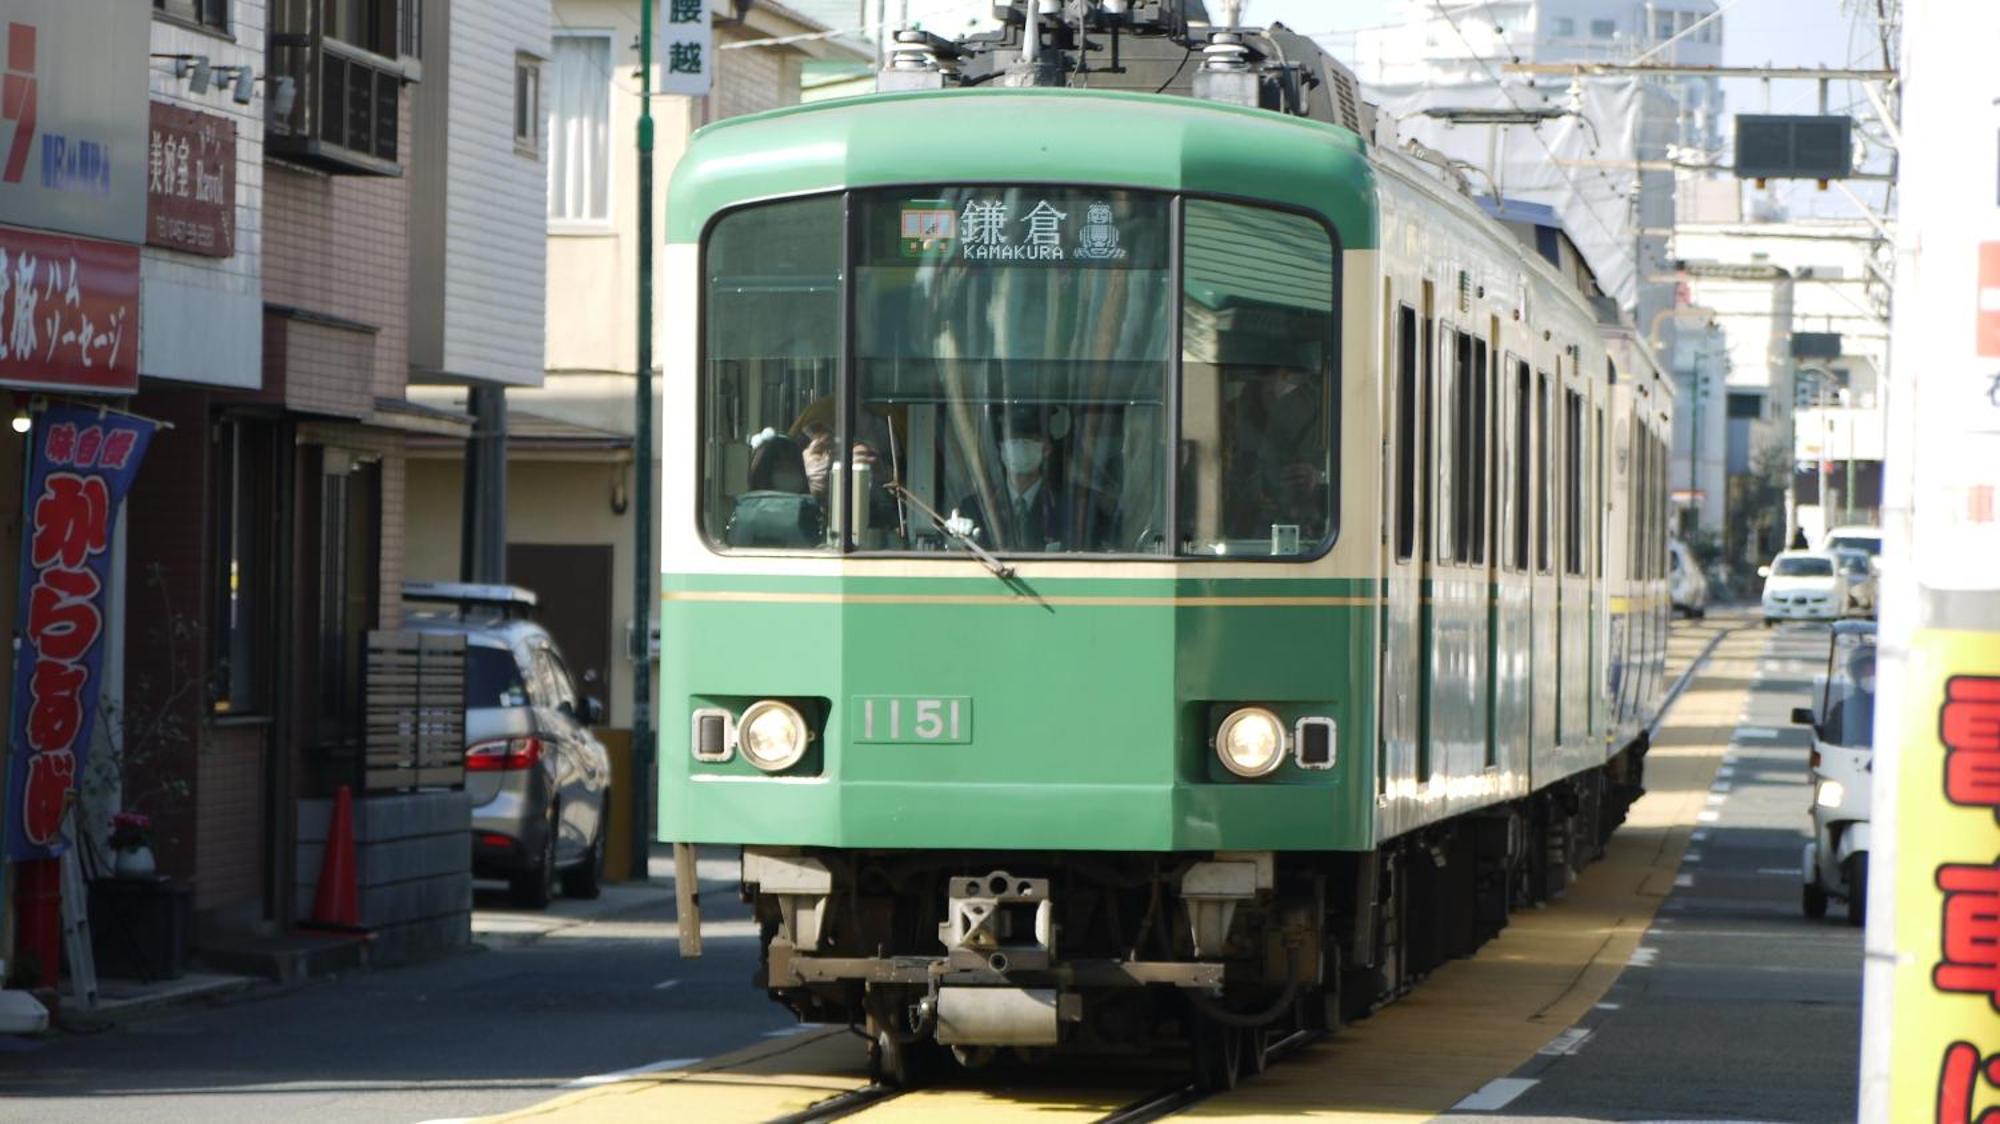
x: 1946, y: 1031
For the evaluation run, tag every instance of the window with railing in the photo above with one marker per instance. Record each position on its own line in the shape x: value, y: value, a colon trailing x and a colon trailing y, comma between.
x: 207, y: 13
x: 348, y: 61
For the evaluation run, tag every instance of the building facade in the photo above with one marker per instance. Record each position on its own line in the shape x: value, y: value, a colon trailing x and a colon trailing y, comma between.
x: 569, y: 468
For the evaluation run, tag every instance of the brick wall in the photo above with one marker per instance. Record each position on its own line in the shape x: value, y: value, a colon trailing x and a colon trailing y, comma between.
x: 229, y: 833
x: 166, y: 523
x: 339, y: 246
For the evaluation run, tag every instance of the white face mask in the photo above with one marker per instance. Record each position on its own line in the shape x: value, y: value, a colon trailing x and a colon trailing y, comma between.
x: 1021, y: 455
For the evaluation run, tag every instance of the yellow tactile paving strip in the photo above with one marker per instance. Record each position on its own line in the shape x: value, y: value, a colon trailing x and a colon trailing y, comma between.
x: 762, y: 1082
x: 1477, y: 1019
x: 1472, y: 1021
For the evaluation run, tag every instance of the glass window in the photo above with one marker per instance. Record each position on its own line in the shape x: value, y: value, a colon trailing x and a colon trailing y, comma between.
x: 1848, y: 716
x: 1572, y: 482
x: 493, y: 679
x: 1012, y: 387
x: 1461, y: 451
x: 350, y: 574
x: 1520, y: 455
x: 579, y: 129
x: 773, y: 347
x: 244, y: 597
x: 1564, y: 26
x: 1257, y: 389
x: 1603, y: 29
x: 1803, y: 566
x: 528, y: 105
x: 1406, y: 432
x: 1480, y: 464
x: 1012, y: 348
x: 1664, y: 25
x: 208, y: 13
x: 1544, y: 498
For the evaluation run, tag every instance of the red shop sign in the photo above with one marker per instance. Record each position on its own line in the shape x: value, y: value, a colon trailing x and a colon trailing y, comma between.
x: 69, y: 312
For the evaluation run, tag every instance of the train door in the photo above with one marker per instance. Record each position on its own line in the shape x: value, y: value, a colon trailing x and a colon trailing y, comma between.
x: 1432, y: 543
x: 1403, y: 648
x: 1544, y: 665
x: 1487, y: 606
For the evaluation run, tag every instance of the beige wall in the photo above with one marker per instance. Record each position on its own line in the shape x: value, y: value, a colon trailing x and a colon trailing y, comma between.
x: 547, y: 502
x: 592, y: 286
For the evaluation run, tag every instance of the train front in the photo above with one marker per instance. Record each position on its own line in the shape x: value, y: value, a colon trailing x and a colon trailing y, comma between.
x: 1018, y: 599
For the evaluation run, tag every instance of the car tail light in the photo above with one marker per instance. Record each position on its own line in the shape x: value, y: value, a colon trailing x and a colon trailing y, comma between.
x: 503, y: 755
x: 489, y: 839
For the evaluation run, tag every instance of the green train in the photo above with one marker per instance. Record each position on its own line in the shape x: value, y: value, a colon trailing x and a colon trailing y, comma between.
x: 1152, y: 567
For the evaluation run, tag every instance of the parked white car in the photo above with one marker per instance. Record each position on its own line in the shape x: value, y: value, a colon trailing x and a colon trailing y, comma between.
x: 1687, y: 588
x: 1804, y: 585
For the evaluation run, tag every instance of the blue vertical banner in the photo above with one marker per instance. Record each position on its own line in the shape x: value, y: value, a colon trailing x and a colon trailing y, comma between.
x: 83, y: 464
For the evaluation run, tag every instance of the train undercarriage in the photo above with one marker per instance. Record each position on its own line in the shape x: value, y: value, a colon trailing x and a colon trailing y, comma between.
x: 949, y: 957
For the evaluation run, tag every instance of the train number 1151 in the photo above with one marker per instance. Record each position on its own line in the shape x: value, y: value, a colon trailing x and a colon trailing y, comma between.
x: 913, y: 719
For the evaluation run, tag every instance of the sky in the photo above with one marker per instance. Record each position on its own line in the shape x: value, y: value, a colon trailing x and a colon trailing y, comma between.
x: 1756, y: 32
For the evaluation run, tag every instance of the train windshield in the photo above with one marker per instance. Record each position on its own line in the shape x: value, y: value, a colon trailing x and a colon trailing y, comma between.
x: 1015, y: 375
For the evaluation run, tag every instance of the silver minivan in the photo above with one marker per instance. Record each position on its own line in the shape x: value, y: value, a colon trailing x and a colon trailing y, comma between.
x: 539, y: 780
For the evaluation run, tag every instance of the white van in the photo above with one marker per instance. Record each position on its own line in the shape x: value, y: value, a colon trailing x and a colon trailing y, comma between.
x: 1868, y: 540
x: 1687, y: 588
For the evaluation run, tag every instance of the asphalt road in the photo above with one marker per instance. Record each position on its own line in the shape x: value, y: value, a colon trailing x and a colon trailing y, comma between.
x: 546, y: 1001
x: 1735, y: 1006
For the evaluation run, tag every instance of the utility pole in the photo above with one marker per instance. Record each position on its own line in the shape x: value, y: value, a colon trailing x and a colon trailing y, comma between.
x: 1930, y: 1045
x: 645, y: 585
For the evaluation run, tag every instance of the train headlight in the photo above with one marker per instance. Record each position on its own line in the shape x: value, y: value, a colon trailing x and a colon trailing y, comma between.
x: 1250, y: 742
x: 773, y: 735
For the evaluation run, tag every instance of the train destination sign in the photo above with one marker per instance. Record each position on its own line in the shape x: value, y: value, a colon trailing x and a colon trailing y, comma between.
x: 1027, y: 226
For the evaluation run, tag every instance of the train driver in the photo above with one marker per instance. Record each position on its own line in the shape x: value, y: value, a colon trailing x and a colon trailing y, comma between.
x: 1034, y: 511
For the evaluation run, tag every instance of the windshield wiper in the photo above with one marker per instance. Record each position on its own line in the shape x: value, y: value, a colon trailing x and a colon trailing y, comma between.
x: 1000, y: 569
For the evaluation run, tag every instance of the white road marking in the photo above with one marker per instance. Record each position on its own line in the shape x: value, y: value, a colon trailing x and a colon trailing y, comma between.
x: 1700, y: 835
x: 787, y: 1031
x: 613, y: 1078
x: 1683, y: 881
x: 1568, y: 1042
x: 1756, y: 732
x: 1717, y: 797
x: 1642, y: 957
x: 665, y: 984
x: 1610, y: 1006
x: 1495, y: 1094
x: 1787, y: 871
x: 1707, y: 815
x: 1691, y: 857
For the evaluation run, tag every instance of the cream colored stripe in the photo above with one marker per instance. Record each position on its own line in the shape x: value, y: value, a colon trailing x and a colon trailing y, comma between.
x: 750, y: 597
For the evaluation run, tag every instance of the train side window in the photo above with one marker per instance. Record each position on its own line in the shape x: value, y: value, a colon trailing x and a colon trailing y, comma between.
x: 1572, y: 483
x: 1427, y: 438
x: 1462, y: 469
x: 1635, y: 448
x: 1597, y: 491
x: 1445, y: 453
x: 1544, y: 498
x: 1406, y: 432
x: 1521, y: 439
x: 1481, y: 468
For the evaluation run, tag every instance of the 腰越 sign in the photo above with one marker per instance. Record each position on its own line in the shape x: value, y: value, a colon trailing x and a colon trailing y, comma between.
x: 191, y: 181
x: 83, y: 463
x: 69, y: 313
x: 73, y: 116
x: 687, y: 48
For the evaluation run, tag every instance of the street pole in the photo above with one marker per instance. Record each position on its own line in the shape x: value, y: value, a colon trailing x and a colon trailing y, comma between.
x: 1930, y: 1045
x: 644, y: 582
x: 1694, y: 450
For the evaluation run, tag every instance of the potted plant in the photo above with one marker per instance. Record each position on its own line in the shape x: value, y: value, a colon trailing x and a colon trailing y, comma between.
x: 131, y: 842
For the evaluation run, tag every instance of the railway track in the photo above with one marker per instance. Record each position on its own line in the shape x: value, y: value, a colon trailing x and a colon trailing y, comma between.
x: 1172, y: 1099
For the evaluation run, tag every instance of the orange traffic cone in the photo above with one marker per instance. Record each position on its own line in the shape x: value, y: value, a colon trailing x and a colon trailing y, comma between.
x: 337, y: 900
